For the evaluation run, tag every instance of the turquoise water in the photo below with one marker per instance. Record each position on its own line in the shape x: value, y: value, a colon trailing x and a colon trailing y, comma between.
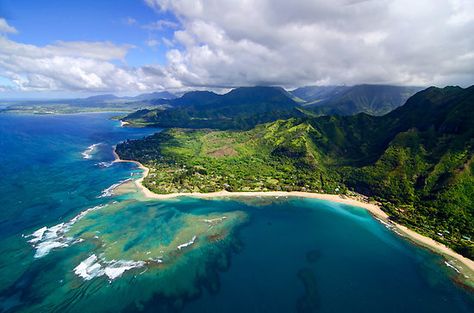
x: 69, y: 245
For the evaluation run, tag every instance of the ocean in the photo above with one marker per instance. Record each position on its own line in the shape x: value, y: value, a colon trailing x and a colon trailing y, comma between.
x: 77, y: 236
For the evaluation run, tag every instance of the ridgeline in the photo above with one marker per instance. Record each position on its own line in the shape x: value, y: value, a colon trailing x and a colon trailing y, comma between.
x: 416, y: 160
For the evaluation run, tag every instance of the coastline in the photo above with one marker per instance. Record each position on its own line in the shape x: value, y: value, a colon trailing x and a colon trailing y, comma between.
x: 462, y: 265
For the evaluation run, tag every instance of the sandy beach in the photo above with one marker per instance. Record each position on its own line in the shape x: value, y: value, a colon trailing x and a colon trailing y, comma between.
x: 459, y: 263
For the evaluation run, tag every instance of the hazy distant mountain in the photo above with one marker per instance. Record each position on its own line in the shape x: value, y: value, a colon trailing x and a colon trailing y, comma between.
x: 100, y: 98
x: 97, y: 103
x: 318, y: 93
x: 370, y: 99
x: 198, y: 98
x: 154, y: 95
x: 140, y: 97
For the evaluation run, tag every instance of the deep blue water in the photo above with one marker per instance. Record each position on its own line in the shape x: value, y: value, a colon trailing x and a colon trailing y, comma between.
x: 43, y: 174
x: 261, y: 255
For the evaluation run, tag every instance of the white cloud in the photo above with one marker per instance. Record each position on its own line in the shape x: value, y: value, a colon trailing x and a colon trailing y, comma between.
x: 5, y: 28
x: 152, y: 43
x: 160, y: 25
x: 129, y: 21
x: 219, y: 44
x: 290, y: 43
x: 76, y: 66
x: 168, y: 43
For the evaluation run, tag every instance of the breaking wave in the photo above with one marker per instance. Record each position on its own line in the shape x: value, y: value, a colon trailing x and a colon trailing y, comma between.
x: 109, y: 191
x: 452, y: 266
x: 46, y: 239
x: 87, y: 154
x: 187, y: 244
x: 93, y: 267
x: 105, y: 164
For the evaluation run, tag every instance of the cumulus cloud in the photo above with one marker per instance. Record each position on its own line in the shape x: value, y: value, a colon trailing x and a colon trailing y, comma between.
x: 222, y: 44
x: 290, y: 43
x: 5, y: 28
x: 152, y: 43
x: 160, y: 25
x: 76, y: 66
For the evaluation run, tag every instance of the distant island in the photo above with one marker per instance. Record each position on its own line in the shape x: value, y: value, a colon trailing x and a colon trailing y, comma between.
x: 99, y: 103
x: 417, y: 160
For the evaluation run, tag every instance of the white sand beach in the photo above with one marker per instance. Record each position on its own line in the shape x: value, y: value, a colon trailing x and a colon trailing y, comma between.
x: 461, y: 264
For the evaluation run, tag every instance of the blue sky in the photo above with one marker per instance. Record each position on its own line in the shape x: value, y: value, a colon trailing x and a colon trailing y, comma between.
x: 42, y: 22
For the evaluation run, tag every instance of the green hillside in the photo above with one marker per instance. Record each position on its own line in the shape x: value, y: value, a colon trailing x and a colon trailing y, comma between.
x: 416, y: 160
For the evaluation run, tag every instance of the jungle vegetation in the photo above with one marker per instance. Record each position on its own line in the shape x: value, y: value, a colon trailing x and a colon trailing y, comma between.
x: 417, y: 160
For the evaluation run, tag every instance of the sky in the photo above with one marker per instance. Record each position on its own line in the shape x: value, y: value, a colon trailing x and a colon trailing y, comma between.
x: 51, y: 48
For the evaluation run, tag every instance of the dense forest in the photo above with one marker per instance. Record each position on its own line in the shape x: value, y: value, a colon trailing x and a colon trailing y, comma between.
x: 241, y: 108
x: 245, y: 107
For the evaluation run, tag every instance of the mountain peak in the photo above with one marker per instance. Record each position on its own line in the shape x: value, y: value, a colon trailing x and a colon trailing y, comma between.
x: 102, y: 97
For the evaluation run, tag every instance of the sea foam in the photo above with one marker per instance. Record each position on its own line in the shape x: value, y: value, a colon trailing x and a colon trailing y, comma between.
x: 187, y: 244
x: 452, y: 266
x: 46, y: 239
x: 109, y: 191
x: 88, y: 268
x: 93, y: 267
x: 105, y: 164
x: 117, y: 268
x: 87, y: 154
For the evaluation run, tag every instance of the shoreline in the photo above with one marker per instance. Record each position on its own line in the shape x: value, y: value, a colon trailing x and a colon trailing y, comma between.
x: 59, y: 113
x: 462, y: 265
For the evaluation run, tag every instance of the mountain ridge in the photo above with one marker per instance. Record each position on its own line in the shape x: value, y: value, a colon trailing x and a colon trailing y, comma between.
x: 205, y: 106
x: 417, y: 160
x: 240, y: 108
x: 367, y: 98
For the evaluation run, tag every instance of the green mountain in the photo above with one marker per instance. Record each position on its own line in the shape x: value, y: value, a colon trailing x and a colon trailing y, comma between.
x: 101, y: 98
x: 153, y: 96
x: 370, y: 99
x: 241, y: 108
x: 245, y: 107
x: 195, y: 98
x: 417, y: 160
x: 314, y: 94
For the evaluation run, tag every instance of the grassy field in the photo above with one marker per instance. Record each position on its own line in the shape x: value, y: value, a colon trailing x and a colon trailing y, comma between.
x: 255, y: 160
